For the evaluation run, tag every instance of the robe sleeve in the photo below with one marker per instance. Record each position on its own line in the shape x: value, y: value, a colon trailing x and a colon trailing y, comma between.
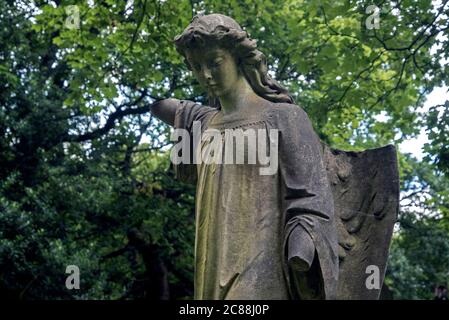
x: 307, y: 198
x: 186, y: 113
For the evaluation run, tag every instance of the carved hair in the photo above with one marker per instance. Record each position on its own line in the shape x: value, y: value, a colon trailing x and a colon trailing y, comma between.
x: 225, y: 32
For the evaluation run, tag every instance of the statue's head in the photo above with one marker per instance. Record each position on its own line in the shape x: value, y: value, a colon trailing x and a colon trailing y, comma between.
x: 219, y: 43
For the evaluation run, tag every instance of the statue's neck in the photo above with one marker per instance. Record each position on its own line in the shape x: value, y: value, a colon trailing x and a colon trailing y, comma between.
x: 239, y: 98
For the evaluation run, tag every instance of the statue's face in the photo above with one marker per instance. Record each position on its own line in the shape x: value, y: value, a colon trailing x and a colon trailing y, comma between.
x: 215, y: 69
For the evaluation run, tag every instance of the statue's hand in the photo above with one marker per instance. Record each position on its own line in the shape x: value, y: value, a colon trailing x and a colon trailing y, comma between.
x: 301, y: 250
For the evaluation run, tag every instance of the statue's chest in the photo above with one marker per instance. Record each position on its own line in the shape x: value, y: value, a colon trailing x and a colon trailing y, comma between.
x: 251, y: 143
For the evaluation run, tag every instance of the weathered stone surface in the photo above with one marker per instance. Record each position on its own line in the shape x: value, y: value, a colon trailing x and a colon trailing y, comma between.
x: 365, y: 186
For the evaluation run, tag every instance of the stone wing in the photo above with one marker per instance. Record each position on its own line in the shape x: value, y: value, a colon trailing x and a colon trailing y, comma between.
x: 365, y: 186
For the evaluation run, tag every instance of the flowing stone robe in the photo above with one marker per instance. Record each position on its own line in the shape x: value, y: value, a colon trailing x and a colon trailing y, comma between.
x: 243, y: 219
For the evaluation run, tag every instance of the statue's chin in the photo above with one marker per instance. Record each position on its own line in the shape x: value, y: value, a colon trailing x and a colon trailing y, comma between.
x: 213, y: 93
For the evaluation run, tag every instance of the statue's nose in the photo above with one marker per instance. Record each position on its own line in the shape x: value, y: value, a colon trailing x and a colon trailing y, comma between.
x: 207, y: 74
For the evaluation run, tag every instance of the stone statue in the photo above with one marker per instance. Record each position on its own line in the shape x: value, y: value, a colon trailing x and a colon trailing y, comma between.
x: 311, y: 229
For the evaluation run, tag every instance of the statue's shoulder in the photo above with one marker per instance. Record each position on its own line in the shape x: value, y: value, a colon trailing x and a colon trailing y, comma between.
x: 287, y: 111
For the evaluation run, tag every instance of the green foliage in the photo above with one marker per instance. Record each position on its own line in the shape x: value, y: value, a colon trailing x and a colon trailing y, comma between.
x: 82, y: 162
x: 420, y: 254
x: 418, y: 258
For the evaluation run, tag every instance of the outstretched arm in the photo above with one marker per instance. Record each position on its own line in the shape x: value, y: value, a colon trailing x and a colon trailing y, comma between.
x: 165, y: 110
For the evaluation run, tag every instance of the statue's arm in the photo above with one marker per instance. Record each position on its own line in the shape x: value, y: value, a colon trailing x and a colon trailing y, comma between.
x: 309, y: 207
x: 165, y: 110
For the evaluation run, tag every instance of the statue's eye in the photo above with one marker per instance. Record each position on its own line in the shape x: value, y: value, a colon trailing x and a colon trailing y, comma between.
x: 214, y: 63
x: 217, y: 62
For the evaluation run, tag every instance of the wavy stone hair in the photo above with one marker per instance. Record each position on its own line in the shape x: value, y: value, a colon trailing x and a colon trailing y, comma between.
x: 225, y: 32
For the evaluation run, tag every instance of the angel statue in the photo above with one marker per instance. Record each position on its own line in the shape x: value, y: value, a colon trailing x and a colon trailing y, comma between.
x: 316, y: 224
